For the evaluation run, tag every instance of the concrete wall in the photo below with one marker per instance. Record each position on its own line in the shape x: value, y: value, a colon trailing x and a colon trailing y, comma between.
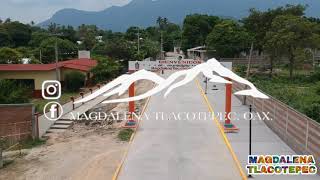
x: 16, y: 122
x: 297, y: 130
x: 244, y: 61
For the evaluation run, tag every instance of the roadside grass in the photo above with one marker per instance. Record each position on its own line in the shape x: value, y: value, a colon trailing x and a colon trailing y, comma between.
x: 125, y: 134
x: 7, y: 162
x: 301, y: 92
x: 65, y: 97
x: 31, y: 143
x: 27, y: 144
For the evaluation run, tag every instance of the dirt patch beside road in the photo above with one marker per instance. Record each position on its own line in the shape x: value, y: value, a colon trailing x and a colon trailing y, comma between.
x: 87, y: 151
x: 71, y: 155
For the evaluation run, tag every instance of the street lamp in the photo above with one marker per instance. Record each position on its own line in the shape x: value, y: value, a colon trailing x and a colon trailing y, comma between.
x: 139, y: 38
x: 250, y: 133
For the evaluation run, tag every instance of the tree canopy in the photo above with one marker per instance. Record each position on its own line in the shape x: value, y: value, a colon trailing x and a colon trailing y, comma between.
x: 290, y: 34
x: 228, y: 39
x: 196, y: 28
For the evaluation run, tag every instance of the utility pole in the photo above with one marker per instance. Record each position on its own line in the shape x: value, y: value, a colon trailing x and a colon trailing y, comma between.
x: 313, y: 60
x: 161, y: 49
x: 248, y: 71
x: 40, y: 56
x: 249, y: 62
x: 56, y: 57
x: 138, y: 41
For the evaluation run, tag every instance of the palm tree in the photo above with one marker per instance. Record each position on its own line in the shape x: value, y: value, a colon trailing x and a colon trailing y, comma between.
x: 159, y: 21
x: 165, y: 21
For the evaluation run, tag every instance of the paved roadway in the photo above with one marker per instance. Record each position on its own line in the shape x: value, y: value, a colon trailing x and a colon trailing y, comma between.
x: 178, y: 149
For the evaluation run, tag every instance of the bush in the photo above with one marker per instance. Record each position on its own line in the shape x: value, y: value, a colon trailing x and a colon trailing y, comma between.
x: 74, y: 81
x: 11, y: 92
x: 125, y: 134
x: 9, y: 56
x: 318, y: 88
x: 105, y: 70
x: 241, y: 70
x: 315, y: 76
x: 313, y: 111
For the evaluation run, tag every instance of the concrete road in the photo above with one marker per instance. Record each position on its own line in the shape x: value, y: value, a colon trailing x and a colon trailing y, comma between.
x: 168, y: 147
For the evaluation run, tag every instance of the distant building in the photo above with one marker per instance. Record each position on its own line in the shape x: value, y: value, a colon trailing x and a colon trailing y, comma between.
x: 199, y: 52
x: 84, y: 55
x: 38, y: 73
x: 99, y: 39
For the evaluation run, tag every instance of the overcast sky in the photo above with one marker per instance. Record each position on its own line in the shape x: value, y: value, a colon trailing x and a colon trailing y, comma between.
x: 40, y: 10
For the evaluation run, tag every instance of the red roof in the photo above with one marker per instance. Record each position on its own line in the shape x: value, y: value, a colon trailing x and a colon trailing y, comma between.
x: 79, y: 64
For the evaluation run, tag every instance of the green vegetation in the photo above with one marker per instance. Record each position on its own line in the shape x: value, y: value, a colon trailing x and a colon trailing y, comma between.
x: 13, y: 92
x: 125, y: 134
x: 301, y: 93
x: 105, y: 70
x: 67, y: 49
x: 228, y: 38
x: 74, y: 81
x: 65, y: 97
x: 284, y: 36
x: 9, y: 56
x: 195, y: 30
x: 31, y: 143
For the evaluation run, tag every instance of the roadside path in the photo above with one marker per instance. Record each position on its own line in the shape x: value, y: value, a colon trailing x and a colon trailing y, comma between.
x: 264, y: 140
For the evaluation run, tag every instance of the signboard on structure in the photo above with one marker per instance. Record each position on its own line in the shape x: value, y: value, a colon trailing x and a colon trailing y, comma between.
x: 139, y: 65
x: 163, y: 64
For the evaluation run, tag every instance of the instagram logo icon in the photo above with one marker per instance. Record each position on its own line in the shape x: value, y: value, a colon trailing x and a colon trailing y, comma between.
x: 51, y: 90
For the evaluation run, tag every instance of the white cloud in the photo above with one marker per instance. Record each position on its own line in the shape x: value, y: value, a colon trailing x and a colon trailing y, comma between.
x: 40, y: 10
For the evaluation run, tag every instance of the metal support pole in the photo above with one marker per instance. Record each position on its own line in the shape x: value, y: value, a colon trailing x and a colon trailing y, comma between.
x: 206, y: 91
x: 250, y: 134
x: 82, y: 94
x: 72, y: 99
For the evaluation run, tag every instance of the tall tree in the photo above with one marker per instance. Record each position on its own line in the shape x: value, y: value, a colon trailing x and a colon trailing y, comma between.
x: 228, y: 39
x: 5, y: 39
x: 66, y: 49
x: 9, y: 56
x: 258, y: 23
x: 195, y: 29
x: 290, y: 34
x: 19, y: 33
